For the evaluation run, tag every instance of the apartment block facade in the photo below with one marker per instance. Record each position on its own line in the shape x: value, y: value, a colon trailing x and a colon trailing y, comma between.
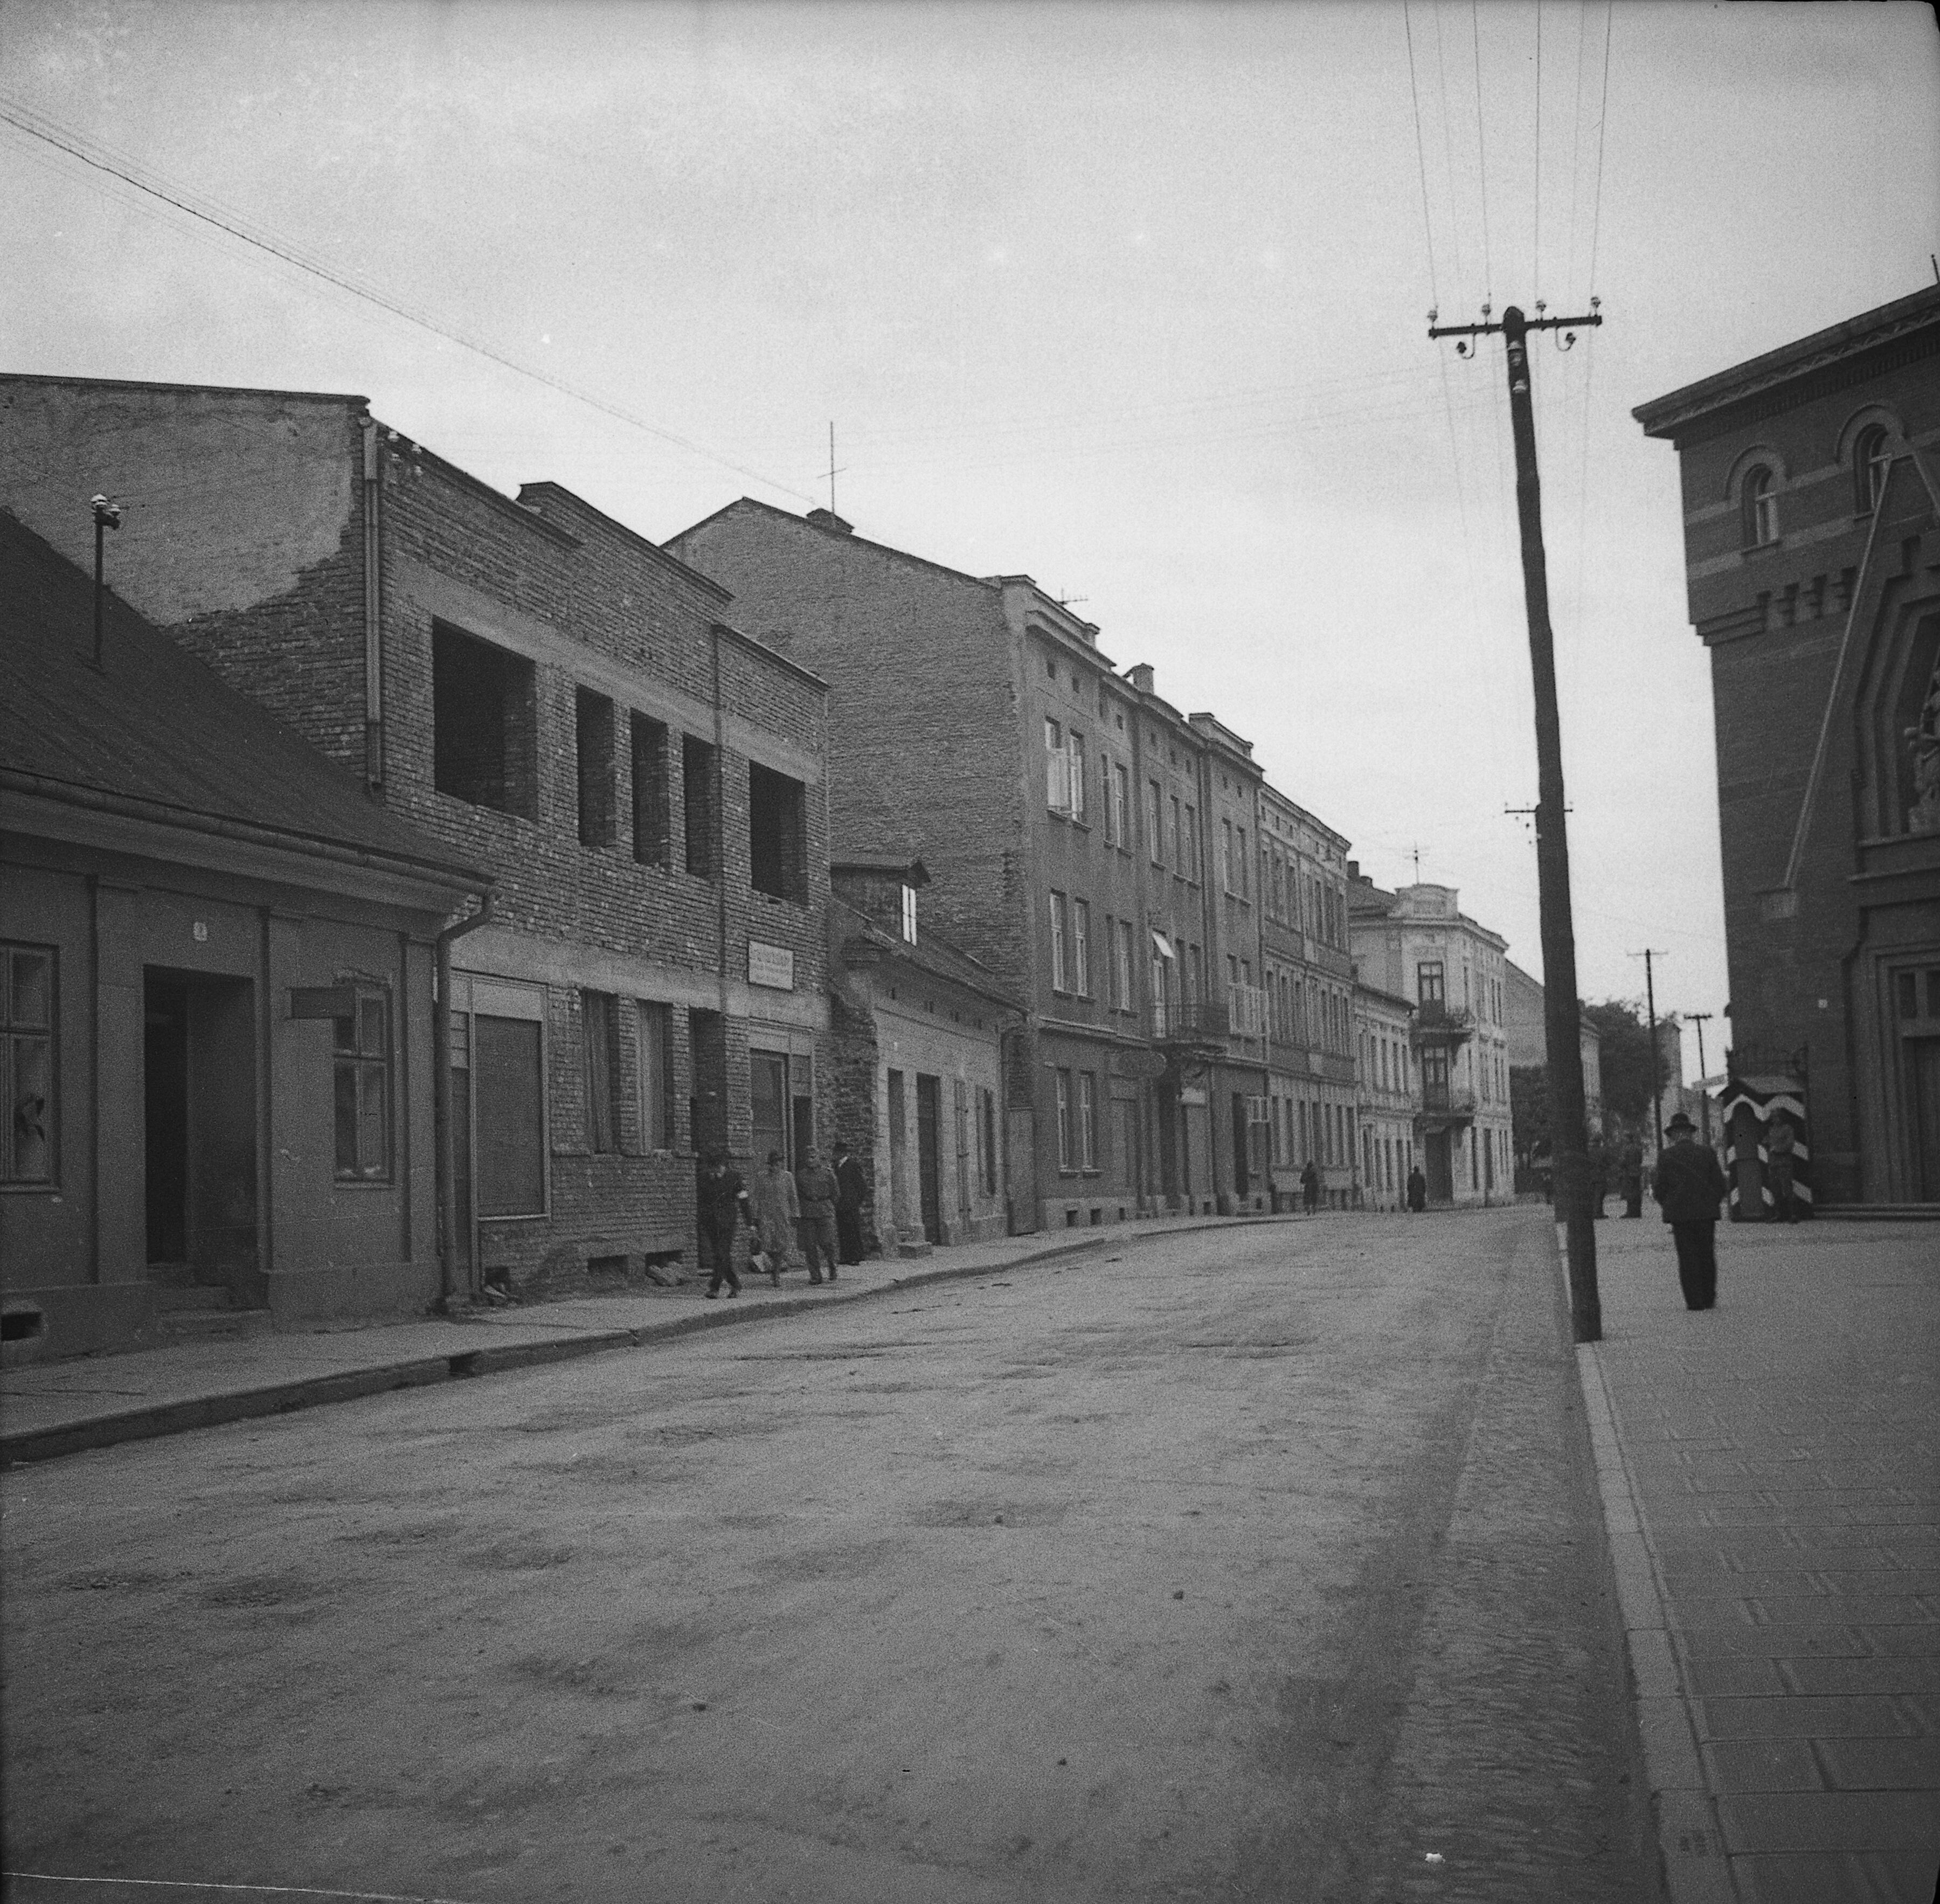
x: 1810, y: 481
x: 1416, y: 944
x: 553, y: 699
x: 1386, y: 1108
x: 1089, y: 842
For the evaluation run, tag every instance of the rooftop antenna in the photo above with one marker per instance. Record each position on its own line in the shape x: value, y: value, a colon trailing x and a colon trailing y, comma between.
x: 833, y: 471
x: 1417, y: 865
x: 107, y: 515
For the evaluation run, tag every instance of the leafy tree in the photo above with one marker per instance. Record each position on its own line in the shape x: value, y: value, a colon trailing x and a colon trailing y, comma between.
x: 1528, y: 1108
x: 1633, y: 1073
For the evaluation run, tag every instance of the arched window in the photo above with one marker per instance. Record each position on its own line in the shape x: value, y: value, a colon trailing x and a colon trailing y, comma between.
x: 1871, y: 459
x: 1761, y: 508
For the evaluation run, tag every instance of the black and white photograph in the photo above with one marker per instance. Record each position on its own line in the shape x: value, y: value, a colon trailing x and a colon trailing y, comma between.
x: 856, y: 857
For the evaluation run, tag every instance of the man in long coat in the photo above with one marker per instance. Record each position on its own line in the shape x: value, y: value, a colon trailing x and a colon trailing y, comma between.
x: 851, y: 1193
x: 776, y: 1211
x: 1690, y: 1184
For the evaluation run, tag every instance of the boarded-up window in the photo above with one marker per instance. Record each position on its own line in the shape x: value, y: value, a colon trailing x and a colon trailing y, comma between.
x: 509, y: 1089
x: 602, y: 1071
x: 656, y: 1030
x: 701, y: 788
x: 650, y: 792
x: 593, y: 726
x: 777, y: 835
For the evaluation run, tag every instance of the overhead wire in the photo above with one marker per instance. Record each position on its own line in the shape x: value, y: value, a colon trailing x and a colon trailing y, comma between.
x: 106, y: 159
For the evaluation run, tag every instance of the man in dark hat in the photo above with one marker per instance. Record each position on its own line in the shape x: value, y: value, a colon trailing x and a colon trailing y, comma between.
x: 1690, y: 1184
x: 852, y: 1194
x: 723, y: 1202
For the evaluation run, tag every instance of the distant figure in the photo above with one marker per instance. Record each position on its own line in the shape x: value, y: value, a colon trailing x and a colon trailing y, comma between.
x: 775, y: 1210
x: 1417, y: 1190
x: 1309, y: 1187
x: 851, y: 1193
x: 1599, y: 1161
x: 1690, y: 1184
x: 1630, y: 1177
x: 815, y: 1185
x: 723, y: 1199
x: 1778, y: 1145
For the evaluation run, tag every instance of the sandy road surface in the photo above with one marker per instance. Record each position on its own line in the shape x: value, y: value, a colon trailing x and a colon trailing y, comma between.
x: 1252, y: 1563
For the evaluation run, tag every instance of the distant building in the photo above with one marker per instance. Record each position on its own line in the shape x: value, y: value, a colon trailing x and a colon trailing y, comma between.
x: 1812, y: 543
x: 916, y: 1076
x: 215, y: 968
x: 551, y: 697
x: 1386, y: 1107
x: 1416, y: 944
x: 1527, y: 1036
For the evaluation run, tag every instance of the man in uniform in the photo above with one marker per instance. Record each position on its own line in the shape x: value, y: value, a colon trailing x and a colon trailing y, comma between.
x: 815, y: 1191
x: 1690, y: 1184
x: 1780, y: 1147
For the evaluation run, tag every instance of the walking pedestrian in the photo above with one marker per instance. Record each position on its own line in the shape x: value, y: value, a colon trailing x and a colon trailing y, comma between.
x: 852, y: 1194
x: 775, y: 1210
x: 1630, y: 1177
x: 815, y: 1186
x: 723, y: 1199
x: 1779, y: 1147
x: 1418, y: 1191
x: 1690, y: 1186
x: 1309, y: 1187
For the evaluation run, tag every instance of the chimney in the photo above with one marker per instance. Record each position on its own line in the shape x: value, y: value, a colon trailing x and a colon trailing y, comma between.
x: 829, y: 523
x: 1354, y: 870
x: 1141, y: 677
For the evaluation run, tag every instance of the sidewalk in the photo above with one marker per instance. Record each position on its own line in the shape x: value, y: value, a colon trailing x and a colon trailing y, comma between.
x: 60, y: 1407
x: 1770, y: 1475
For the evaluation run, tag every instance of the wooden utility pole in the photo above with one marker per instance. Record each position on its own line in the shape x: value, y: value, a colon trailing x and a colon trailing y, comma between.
x: 1650, y: 1006
x: 1701, y: 1019
x: 1562, y: 1014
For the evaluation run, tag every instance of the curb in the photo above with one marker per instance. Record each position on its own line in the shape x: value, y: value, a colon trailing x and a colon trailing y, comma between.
x: 147, y: 1423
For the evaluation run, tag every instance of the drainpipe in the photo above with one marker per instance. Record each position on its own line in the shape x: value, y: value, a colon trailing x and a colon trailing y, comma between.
x: 718, y: 848
x: 444, y: 1139
x: 373, y: 602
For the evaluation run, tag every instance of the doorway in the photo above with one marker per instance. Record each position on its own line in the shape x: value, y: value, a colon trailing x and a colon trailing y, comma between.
x: 1440, y: 1167
x: 1241, y: 1182
x: 929, y: 1151
x: 199, y: 1122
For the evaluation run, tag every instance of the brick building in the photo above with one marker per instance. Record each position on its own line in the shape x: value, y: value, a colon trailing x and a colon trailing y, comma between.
x: 1091, y: 844
x: 1416, y: 944
x: 554, y: 699
x: 1811, y: 485
x: 916, y: 1070
x: 216, y: 962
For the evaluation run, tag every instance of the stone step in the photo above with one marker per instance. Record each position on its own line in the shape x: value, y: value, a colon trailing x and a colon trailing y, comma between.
x: 213, y: 1322
x: 169, y: 1296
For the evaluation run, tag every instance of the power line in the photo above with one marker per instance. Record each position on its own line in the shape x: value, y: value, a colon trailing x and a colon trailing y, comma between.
x: 1482, y: 158
x: 1536, y: 241
x: 1414, y: 96
x: 104, y: 159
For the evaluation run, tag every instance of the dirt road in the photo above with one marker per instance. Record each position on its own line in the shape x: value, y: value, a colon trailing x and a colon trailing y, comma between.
x: 1256, y: 1564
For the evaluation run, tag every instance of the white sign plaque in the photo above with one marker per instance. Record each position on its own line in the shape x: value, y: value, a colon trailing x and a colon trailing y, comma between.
x: 771, y: 966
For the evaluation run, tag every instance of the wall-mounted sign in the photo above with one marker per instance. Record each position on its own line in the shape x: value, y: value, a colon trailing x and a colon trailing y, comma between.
x: 771, y: 966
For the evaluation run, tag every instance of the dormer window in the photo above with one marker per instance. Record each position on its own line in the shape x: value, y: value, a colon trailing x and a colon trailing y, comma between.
x: 1760, y: 509
x: 909, y: 914
x: 1871, y: 460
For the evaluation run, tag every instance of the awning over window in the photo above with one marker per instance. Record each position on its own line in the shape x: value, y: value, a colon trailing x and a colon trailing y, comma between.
x: 1162, y: 945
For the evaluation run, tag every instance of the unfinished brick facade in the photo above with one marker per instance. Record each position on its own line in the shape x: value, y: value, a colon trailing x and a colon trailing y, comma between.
x: 465, y: 671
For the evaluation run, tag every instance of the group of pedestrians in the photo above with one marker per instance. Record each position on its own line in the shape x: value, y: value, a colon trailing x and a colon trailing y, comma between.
x: 814, y: 1208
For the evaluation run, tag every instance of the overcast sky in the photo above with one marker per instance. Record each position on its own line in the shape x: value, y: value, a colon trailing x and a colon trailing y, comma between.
x: 1130, y: 298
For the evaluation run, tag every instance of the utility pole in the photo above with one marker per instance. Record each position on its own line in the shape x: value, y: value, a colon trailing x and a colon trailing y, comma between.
x: 1701, y: 1019
x: 1562, y: 1012
x: 1650, y: 1005
x: 107, y: 515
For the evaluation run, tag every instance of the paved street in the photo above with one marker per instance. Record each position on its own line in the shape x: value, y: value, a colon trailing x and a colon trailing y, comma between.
x: 1261, y: 1562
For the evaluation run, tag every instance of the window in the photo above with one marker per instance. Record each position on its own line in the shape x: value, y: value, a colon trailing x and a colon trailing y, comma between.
x: 1428, y: 982
x: 768, y: 1105
x: 593, y: 730
x: 777, y: 835
x: 361, y: 1062
x: 484, y: 724
x: 699, y: 789
x: 1080, y: 948
x: 1154, y: 821
x: 1064, y: 1110
x: 1178, y: 861
x: 1119, y: 797
x: 1056, y: 770
x: 654, y: 1024
x: 1190, y: 859
x: 27, y: 1063
x: 1060, y: 974
x: 507, y: 1090
x: 1760, y: 509
x: 1087, y: 1120
x: 650, y: 792
x: 1075, y: 775
x: 1121, y: 966
x: 1195, y: 973
x: 601, y: 1024
x: 1245, y: 865
x: 1225, y: 855
x: 1871, y: 460
x: 909, y: 915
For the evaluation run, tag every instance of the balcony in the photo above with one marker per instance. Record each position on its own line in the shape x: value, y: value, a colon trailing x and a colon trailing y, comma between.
x: 1437, y: 1022
x: 1192, y: 1032
x: 1443, y: 1105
